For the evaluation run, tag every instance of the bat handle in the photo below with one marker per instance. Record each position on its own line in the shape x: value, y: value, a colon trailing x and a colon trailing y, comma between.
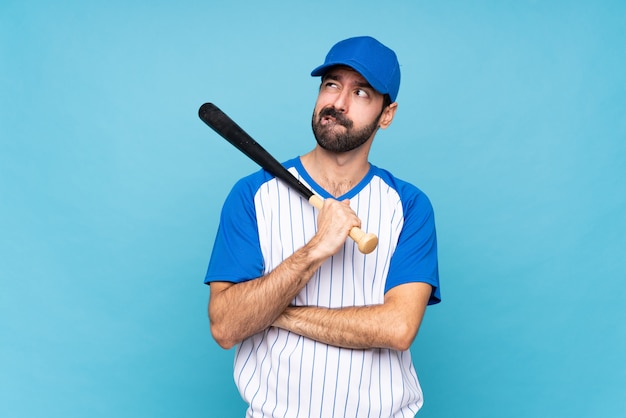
x: 366, y: 242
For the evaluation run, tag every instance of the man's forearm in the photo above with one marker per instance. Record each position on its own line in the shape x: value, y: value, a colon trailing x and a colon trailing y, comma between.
x: 355, y: 327
x: 393, y: 324
x: 342, y: 327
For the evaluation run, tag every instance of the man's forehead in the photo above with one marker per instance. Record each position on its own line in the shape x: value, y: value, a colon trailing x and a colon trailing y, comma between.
x: 338, y: 72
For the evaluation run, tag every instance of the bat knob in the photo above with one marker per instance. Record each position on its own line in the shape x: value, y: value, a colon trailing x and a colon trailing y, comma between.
x: 366, y: 242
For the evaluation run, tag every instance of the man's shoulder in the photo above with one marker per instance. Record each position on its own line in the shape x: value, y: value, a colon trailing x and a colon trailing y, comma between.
x: 405, y: 189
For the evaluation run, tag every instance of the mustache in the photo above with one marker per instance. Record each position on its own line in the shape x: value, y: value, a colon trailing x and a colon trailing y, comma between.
x: 339, y: 117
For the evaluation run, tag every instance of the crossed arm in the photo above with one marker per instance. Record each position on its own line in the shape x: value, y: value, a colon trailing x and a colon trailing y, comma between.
x: 392, y: 324
x: 237, y: 311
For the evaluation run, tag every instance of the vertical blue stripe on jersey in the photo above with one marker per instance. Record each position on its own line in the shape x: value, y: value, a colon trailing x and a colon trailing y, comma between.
x: 378, y: 221
x: 343, y: 278
x: 358, y: 405
x: 366, y: 218
x: 290, y: 221
x: 265, y: 357
x: 324, y: 380
x: 353, y: 277
x: 404, y: 388
x: 364, y: 300
x: 334, y: 400
x: 378, y: 381
x: 254, y: 371
x: 300, y: 340
x: 255, y: 367
x: 259, y: 387
x: 312, y: 369
x: 279, y: 217
x: 302, y: 220
x: 304, y: 237
x: 267, y: 386
x: 369, y: 387
x: 329, y: 293
x: 302, y: 214
x: 405, y: 357
x: 278, y: 370
x: 390, y: 383
x: 345, y: 407
x: 240, y: 353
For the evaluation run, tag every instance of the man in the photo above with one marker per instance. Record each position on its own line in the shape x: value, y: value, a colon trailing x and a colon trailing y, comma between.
x: 321, y: 329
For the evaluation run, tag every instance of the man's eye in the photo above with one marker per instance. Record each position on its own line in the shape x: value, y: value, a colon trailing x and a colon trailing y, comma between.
x: 361, y: 93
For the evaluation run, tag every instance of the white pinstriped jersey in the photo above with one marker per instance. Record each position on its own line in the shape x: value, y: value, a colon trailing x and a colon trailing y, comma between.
x: 282, y: 374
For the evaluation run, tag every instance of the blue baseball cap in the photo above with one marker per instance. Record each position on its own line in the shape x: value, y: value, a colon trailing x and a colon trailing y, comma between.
x: 373, y: 60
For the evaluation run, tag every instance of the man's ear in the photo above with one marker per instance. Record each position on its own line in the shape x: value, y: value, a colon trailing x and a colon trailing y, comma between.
x: 387, y: 117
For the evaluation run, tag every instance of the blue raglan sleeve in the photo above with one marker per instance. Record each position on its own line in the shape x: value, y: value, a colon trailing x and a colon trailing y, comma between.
x: 236, y: 255
x: 415, y: 257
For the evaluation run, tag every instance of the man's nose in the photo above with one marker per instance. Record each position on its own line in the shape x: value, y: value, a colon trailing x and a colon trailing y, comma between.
x: 342, y: 102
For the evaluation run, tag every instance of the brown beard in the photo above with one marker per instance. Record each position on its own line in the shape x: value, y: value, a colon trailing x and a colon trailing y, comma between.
x: 344, y: 141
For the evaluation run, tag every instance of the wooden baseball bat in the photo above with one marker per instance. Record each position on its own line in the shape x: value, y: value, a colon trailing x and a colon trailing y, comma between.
x: 229, y: 130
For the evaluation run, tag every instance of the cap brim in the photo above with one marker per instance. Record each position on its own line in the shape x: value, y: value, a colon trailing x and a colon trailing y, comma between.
x: 377, y: 85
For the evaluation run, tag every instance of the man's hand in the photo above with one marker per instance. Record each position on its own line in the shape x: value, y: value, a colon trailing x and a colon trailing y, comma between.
x: 334, y: 223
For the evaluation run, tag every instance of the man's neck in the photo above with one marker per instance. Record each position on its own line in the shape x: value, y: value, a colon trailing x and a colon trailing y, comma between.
x: 336, y: 173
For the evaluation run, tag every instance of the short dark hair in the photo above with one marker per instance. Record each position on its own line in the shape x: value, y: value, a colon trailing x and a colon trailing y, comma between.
x: 386, y: 100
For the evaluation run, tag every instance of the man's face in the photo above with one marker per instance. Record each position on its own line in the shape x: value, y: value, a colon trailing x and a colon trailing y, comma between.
x: 347, y: 111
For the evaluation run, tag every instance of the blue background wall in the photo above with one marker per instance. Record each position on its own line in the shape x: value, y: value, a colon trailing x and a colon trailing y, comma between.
x: 512, y: 119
